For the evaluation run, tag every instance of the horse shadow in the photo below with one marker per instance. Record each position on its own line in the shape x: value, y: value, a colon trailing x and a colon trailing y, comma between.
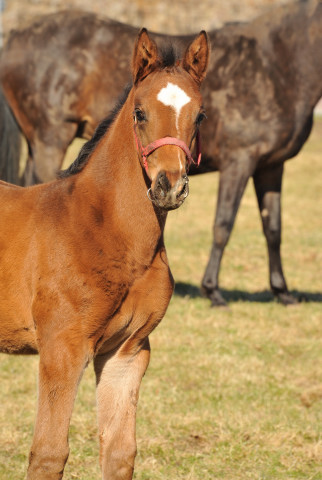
x: 183, y: 289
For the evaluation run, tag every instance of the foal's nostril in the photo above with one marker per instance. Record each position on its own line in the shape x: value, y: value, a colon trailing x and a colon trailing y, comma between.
x: 184, y: 191
x: 162, y: 184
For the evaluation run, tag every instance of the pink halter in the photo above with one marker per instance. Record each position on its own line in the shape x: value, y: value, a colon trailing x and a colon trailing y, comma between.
x: 146, y: 151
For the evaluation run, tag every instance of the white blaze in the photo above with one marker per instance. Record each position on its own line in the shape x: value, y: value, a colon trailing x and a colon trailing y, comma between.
x: 173, y: 96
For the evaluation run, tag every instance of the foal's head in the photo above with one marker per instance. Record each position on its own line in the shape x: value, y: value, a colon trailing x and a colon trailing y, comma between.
x: 167, y: 113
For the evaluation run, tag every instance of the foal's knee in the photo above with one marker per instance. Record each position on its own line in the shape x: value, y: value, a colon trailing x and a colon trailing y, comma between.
x: 47, y: 465
x: 124, y: 464
x: 119, y: 465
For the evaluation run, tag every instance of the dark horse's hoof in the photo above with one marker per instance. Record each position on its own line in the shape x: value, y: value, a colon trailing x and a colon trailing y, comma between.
x: 286, y: 298
x: 217, y: 300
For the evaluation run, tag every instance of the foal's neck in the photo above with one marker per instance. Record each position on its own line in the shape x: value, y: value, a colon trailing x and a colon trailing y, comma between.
x: 119, y: 183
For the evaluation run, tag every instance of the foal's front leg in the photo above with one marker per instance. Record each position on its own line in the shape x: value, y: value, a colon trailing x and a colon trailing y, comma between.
x: 119, y: 376
x: 60, y: 370
x: 118, y: 382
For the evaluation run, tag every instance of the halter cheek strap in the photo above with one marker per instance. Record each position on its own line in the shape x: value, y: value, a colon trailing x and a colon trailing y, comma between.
x: 146, y: 151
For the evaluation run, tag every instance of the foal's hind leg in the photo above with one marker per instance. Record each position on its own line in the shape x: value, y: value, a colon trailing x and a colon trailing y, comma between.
x: 118, y: 383
x: 268, y: 184
x: 60, y: 369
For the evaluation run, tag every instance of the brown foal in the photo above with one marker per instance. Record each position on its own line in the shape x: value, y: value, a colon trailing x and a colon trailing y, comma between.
x: 84, y: 273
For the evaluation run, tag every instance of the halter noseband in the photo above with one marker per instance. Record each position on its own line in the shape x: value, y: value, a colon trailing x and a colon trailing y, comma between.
x: 146, y: 151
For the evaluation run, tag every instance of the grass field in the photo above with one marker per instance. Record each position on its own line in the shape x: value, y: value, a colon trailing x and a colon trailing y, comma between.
x: 230, y: 394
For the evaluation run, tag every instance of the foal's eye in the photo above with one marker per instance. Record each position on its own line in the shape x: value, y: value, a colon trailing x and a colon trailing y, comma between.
x: 201, y: 116
x: 139, y: 115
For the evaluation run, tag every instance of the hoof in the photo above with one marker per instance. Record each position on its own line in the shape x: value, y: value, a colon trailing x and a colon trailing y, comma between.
x: 216, y: 298
x: 286, y: 298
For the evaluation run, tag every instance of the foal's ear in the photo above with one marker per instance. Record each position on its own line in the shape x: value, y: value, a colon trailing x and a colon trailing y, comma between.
x: 196, y: 57
x: 145, y: 56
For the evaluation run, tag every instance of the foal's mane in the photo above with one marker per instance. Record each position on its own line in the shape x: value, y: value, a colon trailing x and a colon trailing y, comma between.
x: 168, y: 59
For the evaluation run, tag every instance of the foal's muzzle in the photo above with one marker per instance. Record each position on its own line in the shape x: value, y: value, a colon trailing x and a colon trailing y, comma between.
x: 166, y: 197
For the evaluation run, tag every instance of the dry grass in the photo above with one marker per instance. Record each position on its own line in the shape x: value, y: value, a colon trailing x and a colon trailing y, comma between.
x: 230, y: 394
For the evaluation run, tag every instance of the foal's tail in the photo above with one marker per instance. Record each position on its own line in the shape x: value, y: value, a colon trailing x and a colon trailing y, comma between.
x: 10, y: 143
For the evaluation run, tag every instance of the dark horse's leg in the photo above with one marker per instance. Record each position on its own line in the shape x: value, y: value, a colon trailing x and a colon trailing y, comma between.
x: 10, y: 143
x: 42, y: 165
x: 232, y: 183
x: 45, y: 158
x: 268, y: 184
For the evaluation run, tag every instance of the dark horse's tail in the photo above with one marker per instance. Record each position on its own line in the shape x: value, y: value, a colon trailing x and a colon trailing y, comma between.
x: 10, y: 143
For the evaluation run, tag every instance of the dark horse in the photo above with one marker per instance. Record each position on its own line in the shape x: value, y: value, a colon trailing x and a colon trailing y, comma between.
x: 260, y: 92
x: 9, y: 143
x: 83, y: 268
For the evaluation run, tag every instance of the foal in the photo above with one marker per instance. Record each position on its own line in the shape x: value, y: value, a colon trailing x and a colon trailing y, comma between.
x: 83, y: 271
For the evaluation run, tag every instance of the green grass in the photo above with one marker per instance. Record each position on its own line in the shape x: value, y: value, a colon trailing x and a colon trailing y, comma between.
x: 230, y: 393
